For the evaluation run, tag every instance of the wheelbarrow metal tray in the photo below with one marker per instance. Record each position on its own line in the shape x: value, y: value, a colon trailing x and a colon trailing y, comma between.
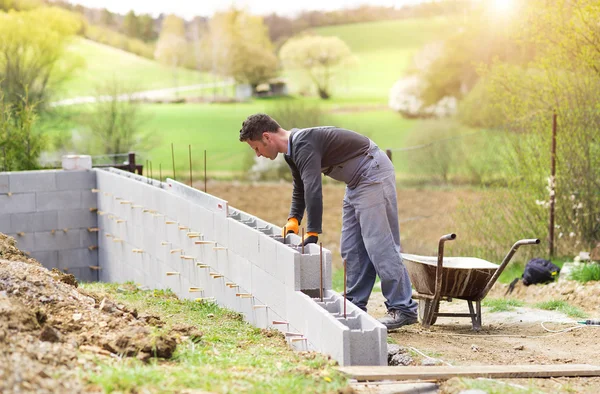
x: 463, y: 277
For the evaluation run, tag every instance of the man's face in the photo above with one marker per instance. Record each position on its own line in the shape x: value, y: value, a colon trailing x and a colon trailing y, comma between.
x: 264, y: 147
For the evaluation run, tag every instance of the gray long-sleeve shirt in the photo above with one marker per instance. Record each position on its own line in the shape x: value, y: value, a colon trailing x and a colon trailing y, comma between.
x: 328, y: 150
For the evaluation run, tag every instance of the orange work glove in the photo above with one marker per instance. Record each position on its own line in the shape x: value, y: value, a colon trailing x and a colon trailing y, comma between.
x: 311, y: 238
x: 290, y: 227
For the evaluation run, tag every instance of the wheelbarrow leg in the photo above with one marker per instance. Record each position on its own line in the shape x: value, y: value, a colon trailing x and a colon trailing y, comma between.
x: 475, y: 315
x: 431, y: 307
x: 429, y: 315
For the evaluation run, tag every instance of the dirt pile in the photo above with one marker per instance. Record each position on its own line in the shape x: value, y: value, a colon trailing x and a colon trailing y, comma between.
x: 49, y: 326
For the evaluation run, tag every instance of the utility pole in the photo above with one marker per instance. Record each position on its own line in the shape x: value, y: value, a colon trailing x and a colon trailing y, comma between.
x: 552, y: 188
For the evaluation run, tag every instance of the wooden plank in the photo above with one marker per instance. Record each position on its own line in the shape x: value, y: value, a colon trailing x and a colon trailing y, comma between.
x: 372, y: 373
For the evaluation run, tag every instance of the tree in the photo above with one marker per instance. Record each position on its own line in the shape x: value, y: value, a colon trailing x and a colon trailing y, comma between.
x: 33, y: 59
x: 564, y: 78
x: 107, y: 18
x: 131, y: 25
x: 20, y: 143
x: 172, y: 48
x: 319, y: 57
x: 114, y: 120
x: 485, y: 37
x: 146, y: 28
x: 239, y: 47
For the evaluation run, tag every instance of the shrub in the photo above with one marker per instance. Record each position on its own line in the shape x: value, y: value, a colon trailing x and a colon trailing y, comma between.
x: 586, y: 272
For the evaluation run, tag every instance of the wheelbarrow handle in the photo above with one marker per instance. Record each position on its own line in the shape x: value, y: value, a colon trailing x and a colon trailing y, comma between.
x: 534, y: 241
x: 513, y: 250
x: 440, y: 264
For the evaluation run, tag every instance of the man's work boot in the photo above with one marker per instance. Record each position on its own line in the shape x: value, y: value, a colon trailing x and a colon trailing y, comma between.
x: 396, y: 319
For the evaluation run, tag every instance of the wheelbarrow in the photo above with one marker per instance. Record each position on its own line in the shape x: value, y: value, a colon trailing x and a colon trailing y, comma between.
x: 445, y: 278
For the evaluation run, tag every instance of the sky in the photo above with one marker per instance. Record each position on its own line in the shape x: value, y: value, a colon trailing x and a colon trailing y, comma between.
x: 190, y: 8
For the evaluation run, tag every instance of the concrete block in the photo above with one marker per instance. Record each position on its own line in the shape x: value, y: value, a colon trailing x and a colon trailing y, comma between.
x: 202, y: 220
x: 268, y: 289
x: 89, y: 199
x: 261, y: 314
x: 58, y: 201
x: 34, y: 221
x: 17, y: 203
x: 310, y: 268
x: 32, y: 181
x: 75, y: 180
x: 243, y: 239
x: 198, y: 197
x: 334, y: 341
x: 60, y: 240
x: 183, y: 212
x: 221, y: 227
x: 240, y: 271
x: 4, y: 182
x: 77, y: 258
x: 5, y: 225
x: 48, y: 259
x: 267, y: 258
x: 287, y: 267
x: 87, y: 238
x: 25, y: 242
x: 77, y: 218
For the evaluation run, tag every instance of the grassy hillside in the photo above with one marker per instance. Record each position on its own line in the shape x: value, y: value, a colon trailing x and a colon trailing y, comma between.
x: 102, y: 63
x: 384, y: 50
x: 216, y: 127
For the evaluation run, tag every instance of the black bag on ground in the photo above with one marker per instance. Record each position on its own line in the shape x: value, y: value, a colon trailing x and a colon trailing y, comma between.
x: 537, y: 270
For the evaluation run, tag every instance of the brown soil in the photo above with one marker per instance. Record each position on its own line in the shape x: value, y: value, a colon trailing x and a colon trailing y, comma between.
x: 424, y: 215
x: 49, y: 326
x: 515, y: 337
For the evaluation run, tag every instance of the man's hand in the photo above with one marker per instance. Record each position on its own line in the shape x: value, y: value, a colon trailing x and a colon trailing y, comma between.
x: 290, y: 227
x: 311, y: 238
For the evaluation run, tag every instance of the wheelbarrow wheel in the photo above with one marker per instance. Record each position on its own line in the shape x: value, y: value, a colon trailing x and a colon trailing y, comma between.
x: 423, y: 305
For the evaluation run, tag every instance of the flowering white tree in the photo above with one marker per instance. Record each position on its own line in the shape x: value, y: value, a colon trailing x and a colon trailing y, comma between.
x: 319, y: 57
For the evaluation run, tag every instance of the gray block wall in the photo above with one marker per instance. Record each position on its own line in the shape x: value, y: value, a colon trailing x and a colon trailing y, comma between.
x: 168, y: 235
x: 51, y: 215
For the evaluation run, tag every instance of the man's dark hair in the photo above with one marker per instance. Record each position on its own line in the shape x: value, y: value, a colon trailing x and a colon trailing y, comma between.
x: 255, y: 125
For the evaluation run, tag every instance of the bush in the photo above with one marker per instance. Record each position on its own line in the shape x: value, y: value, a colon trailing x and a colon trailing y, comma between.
x: 20, y: 143
x: 586, y: 272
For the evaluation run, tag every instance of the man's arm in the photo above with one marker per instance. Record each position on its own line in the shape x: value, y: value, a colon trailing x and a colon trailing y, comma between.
x: 298, y: 205
x: 309, y: 165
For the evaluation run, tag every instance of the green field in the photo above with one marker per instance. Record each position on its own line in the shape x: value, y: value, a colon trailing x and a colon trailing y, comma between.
x: 384, y: 50
x: 215, y: 127
x: 102, y: 63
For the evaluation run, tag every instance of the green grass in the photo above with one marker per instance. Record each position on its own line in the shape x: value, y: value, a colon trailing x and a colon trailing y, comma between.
x: 501, y: 304
x: 102, y: 63
x: 231, y: 357
x: 561, y: 306
x: 586, y: 272
x: 384, y: 50
x: 215, y: 127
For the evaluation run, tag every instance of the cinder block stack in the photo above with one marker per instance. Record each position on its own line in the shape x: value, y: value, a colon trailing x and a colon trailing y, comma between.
x: 52, y: 216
